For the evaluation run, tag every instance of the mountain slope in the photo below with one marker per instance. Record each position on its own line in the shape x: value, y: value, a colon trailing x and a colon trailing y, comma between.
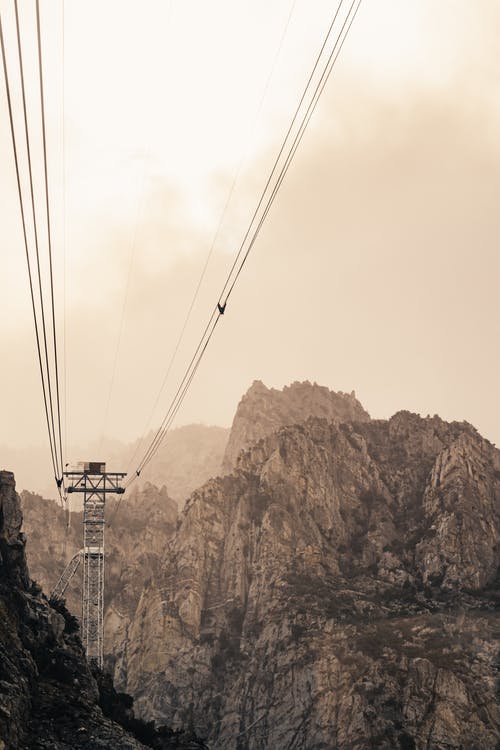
x: 338, y: 590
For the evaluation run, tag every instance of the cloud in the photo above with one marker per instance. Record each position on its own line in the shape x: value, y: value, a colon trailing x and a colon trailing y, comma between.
x: 376, y: 269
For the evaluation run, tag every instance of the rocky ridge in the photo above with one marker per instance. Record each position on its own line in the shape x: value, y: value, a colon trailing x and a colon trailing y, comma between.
x: 264, y: 410
x: 49, y: 698
x: 339, y: 589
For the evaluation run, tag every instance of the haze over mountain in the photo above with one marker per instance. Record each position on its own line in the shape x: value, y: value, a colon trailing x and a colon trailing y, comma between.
x: 324, y: 575
x: 377, y: 262
x: 188, y: 457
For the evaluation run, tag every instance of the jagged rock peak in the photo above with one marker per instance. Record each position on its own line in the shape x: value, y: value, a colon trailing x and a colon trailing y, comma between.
x: 263, y: 410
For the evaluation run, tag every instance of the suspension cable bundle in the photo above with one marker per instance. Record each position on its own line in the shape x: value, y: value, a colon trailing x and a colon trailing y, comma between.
x: 44, y: 315
x: 321, y: 71
x: 42, y: 285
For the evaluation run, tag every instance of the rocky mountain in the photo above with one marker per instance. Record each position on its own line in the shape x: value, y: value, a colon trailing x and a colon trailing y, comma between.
x: 264, y: 410
x: 49, y: 697
x: 339, y: 589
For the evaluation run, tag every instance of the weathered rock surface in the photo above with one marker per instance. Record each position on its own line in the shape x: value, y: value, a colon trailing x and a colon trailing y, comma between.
x: 264, y: 410
x: 337, y: 590
x: 49, y: 699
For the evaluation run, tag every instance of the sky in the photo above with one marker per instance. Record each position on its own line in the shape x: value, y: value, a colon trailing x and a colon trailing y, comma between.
x: 376, y: 270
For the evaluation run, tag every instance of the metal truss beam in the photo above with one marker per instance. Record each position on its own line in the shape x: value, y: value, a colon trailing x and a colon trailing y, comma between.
x: 94, y: 485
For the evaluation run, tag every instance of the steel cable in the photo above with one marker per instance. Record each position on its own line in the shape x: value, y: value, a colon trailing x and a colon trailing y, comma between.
x: 26, y: 246
x: 216, y: 236
x: 41, y: 336
x: 229, y: 285
x: 49, y: 240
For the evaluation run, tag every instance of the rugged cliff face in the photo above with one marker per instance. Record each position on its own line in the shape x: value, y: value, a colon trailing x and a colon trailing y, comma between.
x: 264, y: 410
x: 338, y: 590
x: 48, y: 696
x: 135, y: 541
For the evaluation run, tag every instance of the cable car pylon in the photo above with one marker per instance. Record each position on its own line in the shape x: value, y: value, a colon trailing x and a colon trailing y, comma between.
x: 93, y: 481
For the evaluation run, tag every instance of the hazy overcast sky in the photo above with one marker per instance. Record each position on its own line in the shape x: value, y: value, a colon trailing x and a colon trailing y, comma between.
x: 378, y: 267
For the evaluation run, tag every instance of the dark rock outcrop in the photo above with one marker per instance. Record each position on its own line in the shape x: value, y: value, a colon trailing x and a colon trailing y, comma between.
x: 338, y: 590
x: 48, y: 696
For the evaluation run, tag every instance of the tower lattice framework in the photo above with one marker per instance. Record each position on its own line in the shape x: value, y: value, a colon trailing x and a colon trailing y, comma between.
x: 94, y: 482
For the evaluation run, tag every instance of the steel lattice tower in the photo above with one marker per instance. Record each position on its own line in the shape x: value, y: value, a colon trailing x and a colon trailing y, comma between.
x: 92, y: 480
